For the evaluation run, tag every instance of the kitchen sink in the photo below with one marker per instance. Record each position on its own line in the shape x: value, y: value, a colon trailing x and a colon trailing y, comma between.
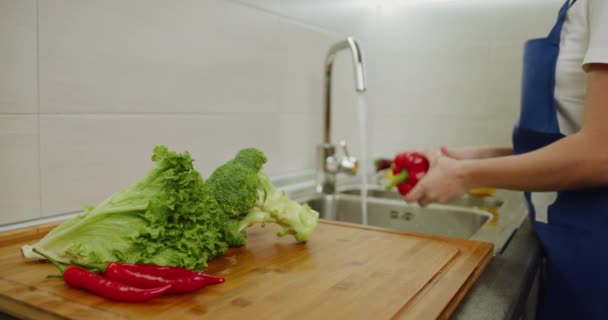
x: 465, y: 201
x: 492, y: 219
x: 446, y: 220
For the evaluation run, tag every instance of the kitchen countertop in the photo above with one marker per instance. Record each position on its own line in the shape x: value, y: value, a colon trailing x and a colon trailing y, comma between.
x: 503, y: 288
x: 421, y: 276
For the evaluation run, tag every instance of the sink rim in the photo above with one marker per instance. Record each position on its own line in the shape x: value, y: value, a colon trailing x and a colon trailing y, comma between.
x: 474, y: 202
x: 435, y: 220
x: 511, y: 214
x: 438, y: 206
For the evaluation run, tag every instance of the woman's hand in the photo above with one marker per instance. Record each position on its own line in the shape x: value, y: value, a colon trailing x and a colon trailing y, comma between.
x: 446, y: 180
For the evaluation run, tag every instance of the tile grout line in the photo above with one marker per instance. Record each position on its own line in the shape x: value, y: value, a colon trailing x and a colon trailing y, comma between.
x: 39, y: 113
x: 287, y: 18
x: 145, y: 114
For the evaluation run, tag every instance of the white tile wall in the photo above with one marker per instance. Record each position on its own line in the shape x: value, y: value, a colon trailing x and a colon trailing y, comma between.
x: 343, y: 17
x: 401, y: 132
x: 271, y: 5
x: 157, y: 56
x: 304, y: 83
x: 301, y: 89
x: 520, y: 20
x: 111, y: 152
x: 118, y: 77
x: 18, y: 57
x: 447, y: 69
x: 19, y: 173
x: 296, y: 141
x: 85, y: 158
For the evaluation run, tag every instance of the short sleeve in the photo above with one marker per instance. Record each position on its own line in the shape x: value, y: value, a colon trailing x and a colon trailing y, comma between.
x: 597, y: 52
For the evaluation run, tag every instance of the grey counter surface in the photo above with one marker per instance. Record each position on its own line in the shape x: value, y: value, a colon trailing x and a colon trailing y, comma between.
x: 503, y: 289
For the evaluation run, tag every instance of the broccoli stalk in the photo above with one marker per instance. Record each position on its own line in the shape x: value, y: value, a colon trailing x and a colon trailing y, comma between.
x: 276, y: 207
x: 245, y: 193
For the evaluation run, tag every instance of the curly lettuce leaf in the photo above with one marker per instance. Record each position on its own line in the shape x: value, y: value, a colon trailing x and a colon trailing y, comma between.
x: 168, y: 217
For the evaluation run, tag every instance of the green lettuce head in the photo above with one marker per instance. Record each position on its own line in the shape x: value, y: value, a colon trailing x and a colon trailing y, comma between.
x: 168, y: 217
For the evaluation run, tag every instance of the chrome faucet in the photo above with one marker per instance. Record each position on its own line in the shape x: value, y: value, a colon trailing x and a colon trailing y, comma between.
x: 328, y: 163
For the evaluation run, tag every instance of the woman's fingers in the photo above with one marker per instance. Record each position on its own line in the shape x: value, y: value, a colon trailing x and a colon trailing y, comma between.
x: 420, y: 194
x: 457, y: 154
x: 415, y: 194
x: 431, y: 155
x: 424, y: 201
x: 444, y: 150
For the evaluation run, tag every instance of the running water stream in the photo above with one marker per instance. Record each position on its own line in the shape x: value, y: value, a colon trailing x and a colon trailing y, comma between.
x: 363, y: 165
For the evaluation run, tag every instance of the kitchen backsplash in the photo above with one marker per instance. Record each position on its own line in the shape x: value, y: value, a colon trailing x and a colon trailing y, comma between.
x: 87, y: 88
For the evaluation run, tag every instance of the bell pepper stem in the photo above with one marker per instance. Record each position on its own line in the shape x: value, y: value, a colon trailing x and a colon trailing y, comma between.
x: 53, y: 261
x: 401, y: 177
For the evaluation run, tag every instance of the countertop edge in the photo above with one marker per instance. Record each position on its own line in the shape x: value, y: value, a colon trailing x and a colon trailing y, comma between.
x: 502, y: 290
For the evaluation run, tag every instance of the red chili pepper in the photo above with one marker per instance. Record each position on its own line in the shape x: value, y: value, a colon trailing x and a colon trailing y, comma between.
x: 187, y: 284
x: 148, y: 276
x: 80, y: 278
x: 110, y: 289
x: 408, y: 169
x: 170, y: 272
x: 166, y: 272
x: 137, y: 278
x: 116, y: 272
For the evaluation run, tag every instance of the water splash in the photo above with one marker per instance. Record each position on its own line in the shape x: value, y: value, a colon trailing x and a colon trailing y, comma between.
x: 363, y: 165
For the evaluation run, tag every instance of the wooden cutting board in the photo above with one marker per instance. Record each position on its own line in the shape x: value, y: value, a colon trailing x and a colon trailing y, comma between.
x: 345, y: 271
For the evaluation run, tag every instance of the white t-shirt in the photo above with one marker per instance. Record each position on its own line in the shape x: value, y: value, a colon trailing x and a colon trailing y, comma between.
x: 584, y: 40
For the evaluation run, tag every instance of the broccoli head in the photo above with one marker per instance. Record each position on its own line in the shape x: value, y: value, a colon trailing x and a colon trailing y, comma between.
x: 245, y: 193
x: 235, y: 184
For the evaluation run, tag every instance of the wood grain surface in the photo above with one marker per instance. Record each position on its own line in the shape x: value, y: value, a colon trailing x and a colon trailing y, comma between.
x: 345, y: 271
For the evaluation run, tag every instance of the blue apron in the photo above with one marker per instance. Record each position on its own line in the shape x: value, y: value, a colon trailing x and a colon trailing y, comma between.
x: 575, y: 239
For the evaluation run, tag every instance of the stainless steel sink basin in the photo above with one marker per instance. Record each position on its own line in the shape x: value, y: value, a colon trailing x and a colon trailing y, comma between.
x: 466, y: 201
x: 451, y: 221
x: 489, y: 219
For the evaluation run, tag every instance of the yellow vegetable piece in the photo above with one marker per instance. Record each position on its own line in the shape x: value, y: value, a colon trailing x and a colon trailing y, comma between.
x: 482, y: 192
x: 388, y: 174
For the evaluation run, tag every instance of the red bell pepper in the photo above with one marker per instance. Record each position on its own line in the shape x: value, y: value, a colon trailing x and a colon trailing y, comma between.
x: 408, y: 169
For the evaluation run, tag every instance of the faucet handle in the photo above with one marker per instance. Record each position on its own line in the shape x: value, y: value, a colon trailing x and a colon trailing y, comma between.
x: 344, y: 148
x: 348, y: 164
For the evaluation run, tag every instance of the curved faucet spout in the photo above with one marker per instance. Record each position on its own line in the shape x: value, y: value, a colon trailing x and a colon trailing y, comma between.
x: 359, y: 68
x: 328, y: 164
x: 355, y: 50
